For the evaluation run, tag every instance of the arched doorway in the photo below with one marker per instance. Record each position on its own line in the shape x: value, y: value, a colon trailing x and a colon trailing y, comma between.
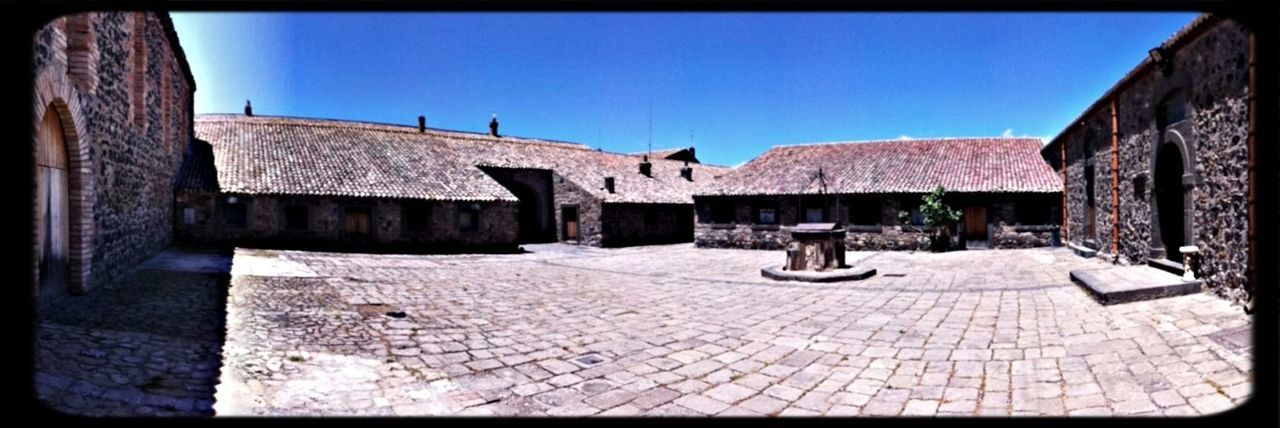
x: 1170, y: 199
x: 530, y: 228
x: 53, y: 210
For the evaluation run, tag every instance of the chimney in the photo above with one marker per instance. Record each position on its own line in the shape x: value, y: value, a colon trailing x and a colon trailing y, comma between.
x: 422, y: 124
x: 646, y: 168
x: 686, y: 171
x: 493, y: 125
x: 248, y: 108
x: 608, y: 184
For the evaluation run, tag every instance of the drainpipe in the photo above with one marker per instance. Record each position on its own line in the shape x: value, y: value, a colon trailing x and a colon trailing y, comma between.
x: 1252, y: 174
x: 1115, y: 181
x: 1066, y: 230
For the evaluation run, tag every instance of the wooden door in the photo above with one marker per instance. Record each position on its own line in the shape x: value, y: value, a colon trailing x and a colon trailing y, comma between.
x: 975, y: 223
x: 53, y: 209
x: 570, y: 216
x: 357, y: 223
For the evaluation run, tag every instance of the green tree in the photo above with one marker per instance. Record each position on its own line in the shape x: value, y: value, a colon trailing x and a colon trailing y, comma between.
x: 937, y: 213
x: 940, y: 217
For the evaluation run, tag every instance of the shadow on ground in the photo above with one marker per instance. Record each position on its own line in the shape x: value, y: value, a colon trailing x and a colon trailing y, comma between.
x: 147, y: 344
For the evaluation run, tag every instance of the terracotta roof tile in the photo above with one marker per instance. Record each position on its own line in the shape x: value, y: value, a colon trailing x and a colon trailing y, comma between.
x: 279, y: 155
x: 982, y: 165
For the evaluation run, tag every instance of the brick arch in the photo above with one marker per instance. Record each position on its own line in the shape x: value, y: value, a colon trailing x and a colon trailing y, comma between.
x: 54, y: 91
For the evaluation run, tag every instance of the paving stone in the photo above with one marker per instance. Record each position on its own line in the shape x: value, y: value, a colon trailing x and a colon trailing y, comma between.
x: 730, y: 393
x: 763, y: 404
x: 701, y: 404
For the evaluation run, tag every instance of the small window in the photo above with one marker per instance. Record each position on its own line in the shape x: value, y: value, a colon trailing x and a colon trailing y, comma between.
x: 1033, y: 213
x: 722, y: 212
x: 767, y: 216
x: 296, y: 217
x: 814, y: 215
x: 766, y: 213
x: 864, y: 212
x: 235, y: 212
x: 1172, y: 110
x: 417, y: 216
x: 188, y: 216
x: 469, y: 217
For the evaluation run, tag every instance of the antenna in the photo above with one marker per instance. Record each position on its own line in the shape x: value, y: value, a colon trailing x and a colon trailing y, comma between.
x: 650, y: 124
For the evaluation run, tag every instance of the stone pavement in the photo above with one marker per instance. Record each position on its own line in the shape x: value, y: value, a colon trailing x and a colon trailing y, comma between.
x: 674, y: 330
x: 148, y: 344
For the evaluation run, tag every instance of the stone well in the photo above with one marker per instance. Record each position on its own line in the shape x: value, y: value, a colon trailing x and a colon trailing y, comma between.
x: 816, y: 254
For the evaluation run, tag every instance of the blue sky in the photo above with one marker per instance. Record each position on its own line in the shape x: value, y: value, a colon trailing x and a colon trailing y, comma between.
x: 738, y: 83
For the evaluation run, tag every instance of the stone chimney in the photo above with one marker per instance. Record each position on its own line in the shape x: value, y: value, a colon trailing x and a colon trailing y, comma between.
x: 493, y: 126
x: 422, y: 124
x: 608, y: 184
x: 686, y: 171
x: 248, y: 108
x: 646, y: 168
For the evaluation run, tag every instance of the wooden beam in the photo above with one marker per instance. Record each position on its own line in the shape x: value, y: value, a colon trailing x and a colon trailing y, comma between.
x: 1115, y: 180
x: 1066, y: 228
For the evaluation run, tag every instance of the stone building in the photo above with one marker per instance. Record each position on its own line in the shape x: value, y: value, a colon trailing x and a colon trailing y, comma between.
x: 112, y: 108
x: 278, y: 181
x: 1161, y: 160
x: 1008, y: 195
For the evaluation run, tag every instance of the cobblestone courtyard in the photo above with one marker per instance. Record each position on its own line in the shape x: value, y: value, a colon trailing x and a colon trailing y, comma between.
x: 674, y: 330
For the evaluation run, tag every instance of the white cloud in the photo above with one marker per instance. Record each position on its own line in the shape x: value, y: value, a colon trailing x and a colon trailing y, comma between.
x: 739, y: 164
x: 904, y: 137
x: 1008, y: 132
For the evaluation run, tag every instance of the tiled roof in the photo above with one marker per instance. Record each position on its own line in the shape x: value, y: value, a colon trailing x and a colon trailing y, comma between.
x: 262, y: 154
x: 266, y: 155
x: 980, y: 165
x: 197, y: 172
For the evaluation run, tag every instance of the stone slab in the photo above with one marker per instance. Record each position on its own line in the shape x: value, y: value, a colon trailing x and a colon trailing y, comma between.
x: 1125, y: 284
x: 845, y: 274
x: 1167, y: 266
x: 1081, y: 251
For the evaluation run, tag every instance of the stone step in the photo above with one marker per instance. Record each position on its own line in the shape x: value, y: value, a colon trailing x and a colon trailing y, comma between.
x: 1091, y: 244
x: 1166, y: 265
x: 1124, y: 284
x: 1082, y: 251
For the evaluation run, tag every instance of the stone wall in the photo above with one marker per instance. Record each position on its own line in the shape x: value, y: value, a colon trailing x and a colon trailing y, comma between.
x: 265, y: 225
x: 646, y: 224
x: 1008, y: 236
x: 744, y: 232
x: 1213, y: 67
x: 589, y: 207
x: 122, y: 86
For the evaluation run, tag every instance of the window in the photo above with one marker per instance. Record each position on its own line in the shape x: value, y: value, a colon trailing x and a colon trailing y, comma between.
x: 235, y: 212
x: 814, y: 215
x: 295, y: 217
x: 864, y: 212
x: 188, y: 216
x: 1033, y: 213
x: 1172, y: 110
x: 417, y: 216
x: 722, y: 212
x: 469, y: 217
x: 766, y: 213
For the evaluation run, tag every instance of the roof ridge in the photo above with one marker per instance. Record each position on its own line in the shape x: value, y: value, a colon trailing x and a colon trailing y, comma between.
x: 380, y: 126
x: 910, y: 140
